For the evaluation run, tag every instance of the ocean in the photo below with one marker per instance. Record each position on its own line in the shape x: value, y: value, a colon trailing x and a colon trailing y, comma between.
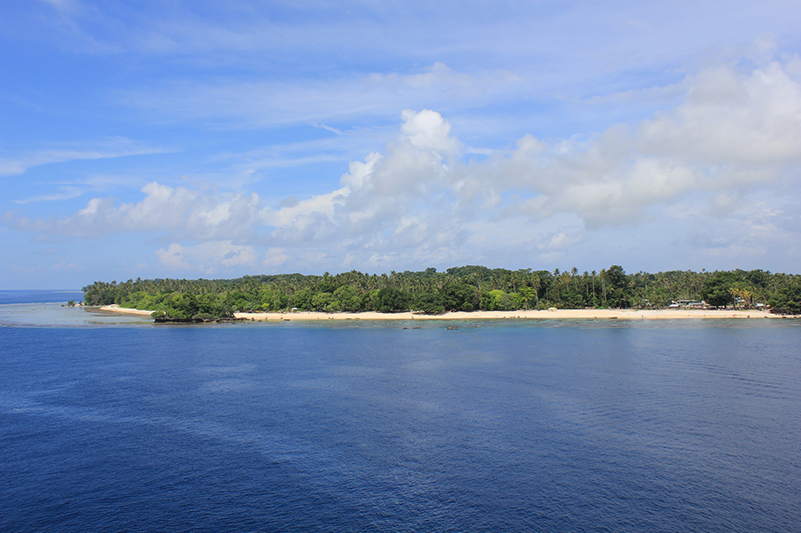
x: 114, y: 424
x: 39, y: 296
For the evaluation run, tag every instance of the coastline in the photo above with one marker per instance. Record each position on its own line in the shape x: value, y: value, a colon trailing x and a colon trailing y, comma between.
x: 559, y: 314
x: 115, y: 308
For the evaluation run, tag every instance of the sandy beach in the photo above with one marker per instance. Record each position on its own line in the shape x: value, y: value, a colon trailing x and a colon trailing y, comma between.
x: 559, y: 314
x: 114, y: 308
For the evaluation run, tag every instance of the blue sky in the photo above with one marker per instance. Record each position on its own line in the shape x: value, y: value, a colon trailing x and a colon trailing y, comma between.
x: 217, y: 139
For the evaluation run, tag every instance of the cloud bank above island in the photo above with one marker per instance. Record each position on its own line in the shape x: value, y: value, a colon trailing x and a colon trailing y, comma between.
x: 701, y: 170
x: 733, y: 136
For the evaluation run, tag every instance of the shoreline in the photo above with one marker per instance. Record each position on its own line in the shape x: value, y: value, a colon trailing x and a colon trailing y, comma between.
x: 559, y: 314
x: 115, y: 308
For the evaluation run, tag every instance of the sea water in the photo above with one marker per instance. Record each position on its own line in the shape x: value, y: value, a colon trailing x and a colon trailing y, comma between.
x: 348, y: 426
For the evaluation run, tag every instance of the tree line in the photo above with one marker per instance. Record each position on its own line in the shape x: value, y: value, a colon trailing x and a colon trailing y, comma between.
x: 466, y: 288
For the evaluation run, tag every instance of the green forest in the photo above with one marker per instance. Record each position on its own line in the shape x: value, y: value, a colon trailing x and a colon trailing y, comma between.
x: 466, y: 288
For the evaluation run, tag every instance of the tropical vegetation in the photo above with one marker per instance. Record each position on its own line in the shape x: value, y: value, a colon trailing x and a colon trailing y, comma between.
x: 464, y: 288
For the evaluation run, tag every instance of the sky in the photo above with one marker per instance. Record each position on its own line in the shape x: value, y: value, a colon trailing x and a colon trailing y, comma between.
x: 214, y: 139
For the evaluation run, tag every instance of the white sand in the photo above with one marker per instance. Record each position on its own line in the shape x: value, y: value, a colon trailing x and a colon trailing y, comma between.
x: 114, y: 308
x: 619, y: 314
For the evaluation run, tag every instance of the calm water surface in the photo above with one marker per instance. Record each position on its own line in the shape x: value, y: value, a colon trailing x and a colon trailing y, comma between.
x: 512, y: 426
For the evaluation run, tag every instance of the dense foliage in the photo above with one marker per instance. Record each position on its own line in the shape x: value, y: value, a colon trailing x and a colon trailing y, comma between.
x: 465, y: 288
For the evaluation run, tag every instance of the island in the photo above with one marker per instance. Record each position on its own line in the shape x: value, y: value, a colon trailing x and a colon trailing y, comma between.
x: 469, y: 292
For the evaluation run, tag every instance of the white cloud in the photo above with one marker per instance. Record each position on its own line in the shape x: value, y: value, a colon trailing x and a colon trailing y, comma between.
x: 162, y: 209
x: 409, y: 197
x: 729, y: 118
x: 427, y: 129
x: 733, y: 131
x: 735, y: 134
x: 177, y: 212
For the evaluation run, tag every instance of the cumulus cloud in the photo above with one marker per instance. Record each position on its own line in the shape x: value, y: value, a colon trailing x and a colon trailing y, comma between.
x: 176, y: 212
x: 428, y: 130
x: 399, y: 199
x: 729, y: 118
x: 734, y: 133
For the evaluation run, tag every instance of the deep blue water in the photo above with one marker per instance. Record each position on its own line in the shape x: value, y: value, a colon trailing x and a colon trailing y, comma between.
x: 557, y: 426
